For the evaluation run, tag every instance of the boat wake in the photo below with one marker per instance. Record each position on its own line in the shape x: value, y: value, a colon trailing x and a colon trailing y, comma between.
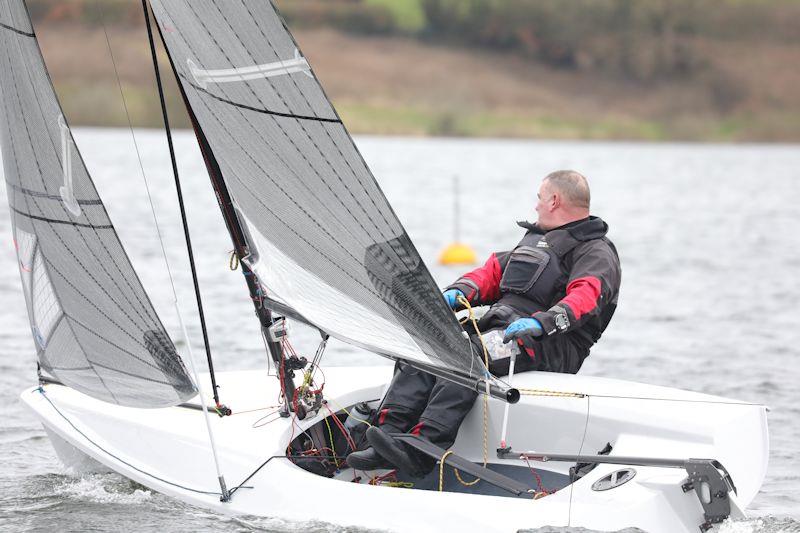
x: 103, y: 488
x: 770, y: 524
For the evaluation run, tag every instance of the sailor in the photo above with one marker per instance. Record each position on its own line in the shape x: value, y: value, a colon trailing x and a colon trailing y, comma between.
x: 553, y: 295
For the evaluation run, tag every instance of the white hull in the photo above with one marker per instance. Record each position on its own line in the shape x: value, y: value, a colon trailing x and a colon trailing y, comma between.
x: 167, y: 450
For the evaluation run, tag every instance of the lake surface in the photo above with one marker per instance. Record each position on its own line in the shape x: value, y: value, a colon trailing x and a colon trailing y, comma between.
x: 707, y: 234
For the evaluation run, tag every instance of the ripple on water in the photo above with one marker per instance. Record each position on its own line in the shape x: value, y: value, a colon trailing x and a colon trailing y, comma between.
x: 686, y: 299
x: 761, y: 525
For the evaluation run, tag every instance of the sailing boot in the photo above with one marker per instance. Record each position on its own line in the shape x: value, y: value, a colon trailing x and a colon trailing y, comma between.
x: 405, y: 400
x: 367, y: 459
x: 398, y: 454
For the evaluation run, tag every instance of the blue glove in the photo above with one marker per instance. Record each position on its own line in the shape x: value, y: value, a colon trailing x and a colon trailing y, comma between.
x: 451, y: 297
x: 523, y: 327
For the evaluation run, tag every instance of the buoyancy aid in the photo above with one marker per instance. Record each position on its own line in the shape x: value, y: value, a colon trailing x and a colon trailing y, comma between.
x: 533, y: 279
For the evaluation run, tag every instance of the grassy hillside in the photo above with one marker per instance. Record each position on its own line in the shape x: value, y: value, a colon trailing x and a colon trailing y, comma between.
x: 660, y: 70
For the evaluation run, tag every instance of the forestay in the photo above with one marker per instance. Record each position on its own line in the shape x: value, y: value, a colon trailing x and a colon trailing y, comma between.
x: 93, y: 325
x: 330, y: 245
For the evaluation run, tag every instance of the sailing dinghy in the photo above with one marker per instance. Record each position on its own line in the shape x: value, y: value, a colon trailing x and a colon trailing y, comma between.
x: 318, y: 244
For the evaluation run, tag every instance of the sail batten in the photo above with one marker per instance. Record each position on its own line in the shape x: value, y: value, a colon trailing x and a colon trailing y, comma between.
x: 326, y: 242
x: 93, y: 324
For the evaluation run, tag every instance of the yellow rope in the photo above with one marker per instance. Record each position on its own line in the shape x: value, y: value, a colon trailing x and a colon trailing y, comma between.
x: 471, y: 317
x: 529, y: 392
x: 441, y: 469
x: 349, y: 415
x: 545, y: 392
x: 330, y: 434
x: 465, y: 483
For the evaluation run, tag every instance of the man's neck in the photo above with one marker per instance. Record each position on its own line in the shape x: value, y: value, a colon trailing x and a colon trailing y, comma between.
x: 568, y: 223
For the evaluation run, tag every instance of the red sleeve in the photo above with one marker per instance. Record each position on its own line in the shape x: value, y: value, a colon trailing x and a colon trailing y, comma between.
x: 487, y: 279
x: 482, y: 285
x: 582, y: 295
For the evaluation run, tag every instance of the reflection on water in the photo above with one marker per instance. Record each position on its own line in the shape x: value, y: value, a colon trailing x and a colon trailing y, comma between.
x: 706, y: 234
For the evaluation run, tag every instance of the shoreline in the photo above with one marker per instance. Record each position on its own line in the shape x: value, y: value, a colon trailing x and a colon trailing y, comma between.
x: 401, y: 86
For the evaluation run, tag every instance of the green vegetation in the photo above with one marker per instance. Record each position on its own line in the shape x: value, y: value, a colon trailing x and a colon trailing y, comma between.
x: 408, y: 14
x: 591, y: 69
x: 399, y: 120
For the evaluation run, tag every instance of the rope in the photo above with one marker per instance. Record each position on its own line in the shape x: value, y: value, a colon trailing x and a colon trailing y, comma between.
x: 330, y: 435
x: 441, y: 469
x: 542, y: 492
x: 471, y: 317
x: 233, y: 262
x: 545, y: 392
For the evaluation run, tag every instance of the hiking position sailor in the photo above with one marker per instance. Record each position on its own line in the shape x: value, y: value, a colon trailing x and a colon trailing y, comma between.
x: 553, y: 295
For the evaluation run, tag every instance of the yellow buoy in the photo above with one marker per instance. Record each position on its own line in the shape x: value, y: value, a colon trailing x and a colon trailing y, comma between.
x: 457, y: 254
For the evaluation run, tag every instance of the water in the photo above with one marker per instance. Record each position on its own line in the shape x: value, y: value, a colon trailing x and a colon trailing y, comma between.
x: 706, y: 233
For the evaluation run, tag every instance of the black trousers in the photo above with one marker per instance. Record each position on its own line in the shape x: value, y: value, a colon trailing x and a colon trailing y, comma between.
x: 434, y: 408
x: 424, y: 405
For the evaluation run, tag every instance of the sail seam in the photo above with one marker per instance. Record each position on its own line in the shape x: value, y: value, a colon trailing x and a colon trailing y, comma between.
x: 333, y: 142
x: 333, y: 171
x: 308, y: 135
x: 295, y: 173
x: 380, y: 229
x: 308, y: 215
x: 143, y: 313
x: 16, y: 30
x: 258, y: 109
x: 42, y: 194
x: 44, y: 258
x: 137, y: 376
x: 77, y: 253
x: 66, y: 222
x: 120, y: 348
x: 334, y: 149
x: 67, y: 368
x: 288, y: 137
x: 395, y: 257
x: 47, y: 263
x: 409, y: 259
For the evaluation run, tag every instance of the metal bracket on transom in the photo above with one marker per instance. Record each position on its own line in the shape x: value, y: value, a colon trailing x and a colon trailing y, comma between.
x: 710, y: 481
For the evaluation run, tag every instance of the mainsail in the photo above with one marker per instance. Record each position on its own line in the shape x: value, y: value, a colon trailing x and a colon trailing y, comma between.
x: 93, y: 325
x: 328, y: 243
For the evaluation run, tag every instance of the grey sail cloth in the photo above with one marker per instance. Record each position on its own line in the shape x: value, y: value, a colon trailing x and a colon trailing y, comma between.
x: 94, y: 327
x: 329, y: 244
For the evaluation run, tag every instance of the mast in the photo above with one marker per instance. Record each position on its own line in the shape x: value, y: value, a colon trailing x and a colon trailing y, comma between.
x: 221, y: 409
x: 285, y: 365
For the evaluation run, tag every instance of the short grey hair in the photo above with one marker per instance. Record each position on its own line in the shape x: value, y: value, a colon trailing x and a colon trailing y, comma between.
x: 573, y: 186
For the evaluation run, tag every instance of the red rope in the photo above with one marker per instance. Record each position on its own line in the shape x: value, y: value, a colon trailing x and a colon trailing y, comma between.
x: 536, y: 475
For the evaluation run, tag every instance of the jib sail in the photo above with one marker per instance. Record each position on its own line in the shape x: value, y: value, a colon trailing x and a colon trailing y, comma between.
x: 329, y: 243
x: 93, y: 325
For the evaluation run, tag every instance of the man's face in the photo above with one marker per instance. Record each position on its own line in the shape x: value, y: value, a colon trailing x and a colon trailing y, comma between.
x: 545, y: 206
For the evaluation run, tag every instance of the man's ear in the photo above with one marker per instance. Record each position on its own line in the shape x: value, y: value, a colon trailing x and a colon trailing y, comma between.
x: 556, y: 201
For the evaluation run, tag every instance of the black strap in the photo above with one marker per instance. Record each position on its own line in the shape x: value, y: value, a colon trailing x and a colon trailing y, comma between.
x: 456, y: 461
